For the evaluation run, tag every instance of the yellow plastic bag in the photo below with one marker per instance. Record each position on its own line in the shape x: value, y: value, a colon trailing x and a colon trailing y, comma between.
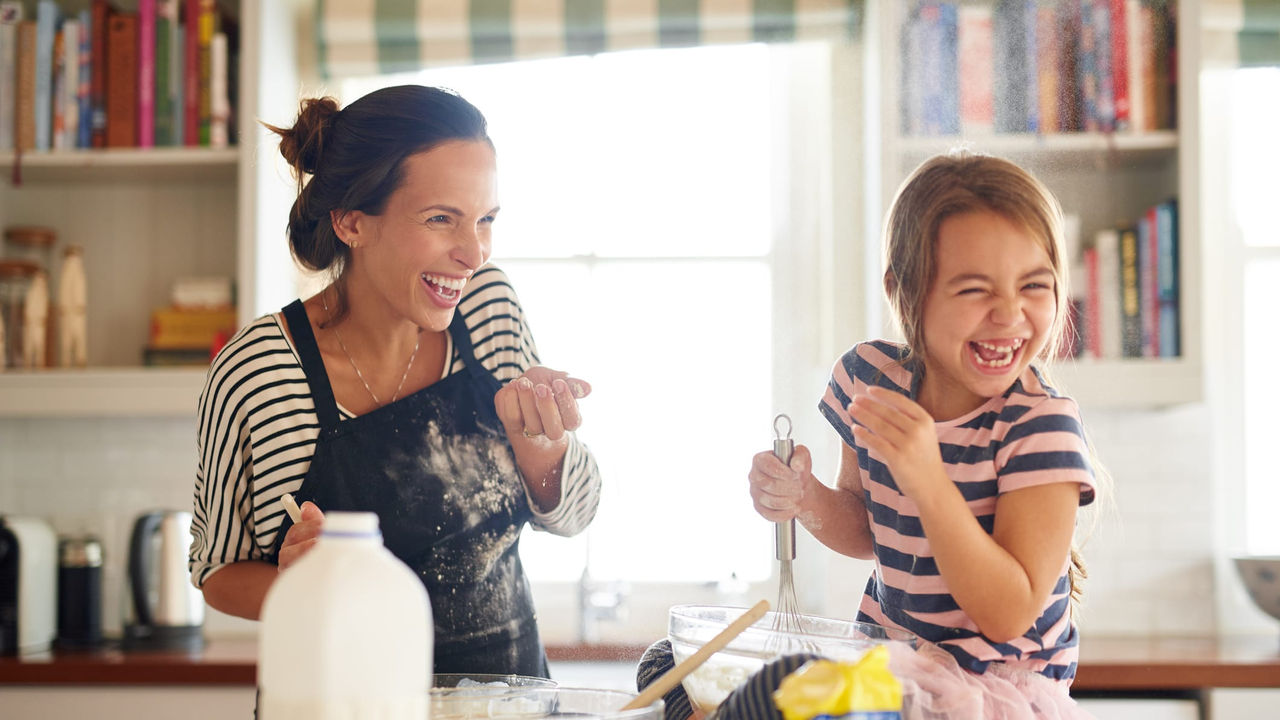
x: 829, y: 690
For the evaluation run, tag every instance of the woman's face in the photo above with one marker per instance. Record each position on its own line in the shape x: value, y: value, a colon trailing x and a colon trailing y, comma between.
x: 988, y: 313
x: 435, y: 231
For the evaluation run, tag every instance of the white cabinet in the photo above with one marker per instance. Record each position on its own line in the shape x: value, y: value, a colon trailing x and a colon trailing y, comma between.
x: 148, y: 216
x: 1103, y: 178
x: 1141, y: 708
x: 46, y: 702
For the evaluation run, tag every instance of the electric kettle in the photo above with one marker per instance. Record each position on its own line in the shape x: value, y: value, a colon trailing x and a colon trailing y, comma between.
x: 167, y: 610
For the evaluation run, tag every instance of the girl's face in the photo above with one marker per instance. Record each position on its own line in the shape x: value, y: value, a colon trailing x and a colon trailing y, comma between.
x: 433, y: 234
x: 988, y: 313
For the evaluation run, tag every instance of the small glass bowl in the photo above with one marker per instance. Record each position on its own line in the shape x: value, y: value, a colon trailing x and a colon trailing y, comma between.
x: 517, y: 697
x: 689, y: 627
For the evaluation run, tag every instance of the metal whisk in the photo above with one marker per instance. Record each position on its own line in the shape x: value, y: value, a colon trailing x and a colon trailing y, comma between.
x: 786, y: 614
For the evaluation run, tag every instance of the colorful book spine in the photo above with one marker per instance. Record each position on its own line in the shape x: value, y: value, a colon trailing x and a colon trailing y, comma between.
x: 57, y: 94
x: 84, y: 101
x: 146, y: 71
x: 220, y: 104
x: 24, y: 108
x: 1093, y: 306
x: 177, y: 83
x: 208, y: 18
x: 1168, y: 285
x: 10, y: 16
x: 1107, y: 243
x: 1031, y: 56
x: 122, y: 89
x: 1130, y: 295
x: 166, y: 18
x: 1087, y: 68
x: 1070, y: 92
x: 70, y: 84
x: 1047, y: 65
x: 99, y: 12
x: 1148, y: 259
x: 1120, y: 63
x: 977, y: 78
x: 46, y: 35
x: 191, y: 73
x: 1105, y: 104
x: 1007, y: 25
x: 1135, y: 65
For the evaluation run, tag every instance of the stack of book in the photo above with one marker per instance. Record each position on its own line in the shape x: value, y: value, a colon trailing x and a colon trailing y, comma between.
x: 199, y: 320
x: 160, y: 75
x: 1130, y: 307
x: 1038, y: 66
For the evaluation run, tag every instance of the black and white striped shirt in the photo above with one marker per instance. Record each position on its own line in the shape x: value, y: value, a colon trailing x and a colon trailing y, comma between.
x: 258, y: 429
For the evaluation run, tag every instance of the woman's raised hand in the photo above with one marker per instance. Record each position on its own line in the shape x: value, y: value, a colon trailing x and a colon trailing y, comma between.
x: 302, y: 536
x: 540, y: 406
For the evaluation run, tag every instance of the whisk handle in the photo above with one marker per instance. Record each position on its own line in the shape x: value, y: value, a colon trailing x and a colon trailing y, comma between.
x: 784, y: 533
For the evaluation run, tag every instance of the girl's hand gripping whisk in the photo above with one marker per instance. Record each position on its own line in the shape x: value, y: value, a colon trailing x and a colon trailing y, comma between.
x: 786, y: 617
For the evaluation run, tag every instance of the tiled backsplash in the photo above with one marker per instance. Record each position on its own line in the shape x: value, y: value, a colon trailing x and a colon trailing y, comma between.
x: 1150, y: 558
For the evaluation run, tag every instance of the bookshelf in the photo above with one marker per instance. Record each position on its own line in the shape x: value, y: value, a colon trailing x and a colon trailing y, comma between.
x: 147, y: 216
x: 1104, y: 178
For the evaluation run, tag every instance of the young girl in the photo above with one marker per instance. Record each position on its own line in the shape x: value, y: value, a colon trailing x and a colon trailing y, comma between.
x: 961, y: 468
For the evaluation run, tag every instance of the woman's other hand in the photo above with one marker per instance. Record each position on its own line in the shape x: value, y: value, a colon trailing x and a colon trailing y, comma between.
x: 540, y: 406
x: 302, y: 536
x: 777, y: 489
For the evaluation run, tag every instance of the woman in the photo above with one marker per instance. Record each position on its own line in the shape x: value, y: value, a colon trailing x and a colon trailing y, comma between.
x: 409, y: 386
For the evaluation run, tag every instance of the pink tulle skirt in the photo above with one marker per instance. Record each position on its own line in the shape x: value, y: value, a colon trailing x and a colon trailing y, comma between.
x: 935, y: 687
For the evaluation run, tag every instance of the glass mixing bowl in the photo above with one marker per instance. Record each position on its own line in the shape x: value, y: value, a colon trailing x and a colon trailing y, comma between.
x: 517, y: 697
x: 689, y: 627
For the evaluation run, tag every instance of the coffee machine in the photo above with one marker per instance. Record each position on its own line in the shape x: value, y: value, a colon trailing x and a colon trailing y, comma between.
x: 167, y: 610
x: 28, y: 584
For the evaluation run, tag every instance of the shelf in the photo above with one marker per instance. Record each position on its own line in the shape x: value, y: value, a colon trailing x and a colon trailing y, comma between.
x: 1124, y: 148
x: 101, y: 392
x: 123, y: 164
x: 1133, y: 383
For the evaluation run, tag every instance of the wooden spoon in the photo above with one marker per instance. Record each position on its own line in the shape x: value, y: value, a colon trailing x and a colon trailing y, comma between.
x: 673, y: 676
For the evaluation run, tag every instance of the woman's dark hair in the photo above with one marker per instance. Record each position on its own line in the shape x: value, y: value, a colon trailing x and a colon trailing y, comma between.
x: 355, y: 158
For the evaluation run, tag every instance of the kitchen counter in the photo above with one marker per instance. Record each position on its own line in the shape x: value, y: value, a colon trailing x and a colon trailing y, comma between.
x: 1106, y: 664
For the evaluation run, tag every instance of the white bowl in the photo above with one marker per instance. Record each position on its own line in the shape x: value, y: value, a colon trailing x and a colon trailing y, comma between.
x: 1261, y: 576
x: 689, y: 627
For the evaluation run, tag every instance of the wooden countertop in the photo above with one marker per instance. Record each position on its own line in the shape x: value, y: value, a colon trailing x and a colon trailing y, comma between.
x: 1106, y: 664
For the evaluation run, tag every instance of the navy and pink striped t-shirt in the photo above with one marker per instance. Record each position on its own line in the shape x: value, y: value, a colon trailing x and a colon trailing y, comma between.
x: 1029, y: 436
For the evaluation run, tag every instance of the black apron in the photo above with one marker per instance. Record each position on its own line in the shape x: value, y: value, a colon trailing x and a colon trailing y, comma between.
x: 439, y: 472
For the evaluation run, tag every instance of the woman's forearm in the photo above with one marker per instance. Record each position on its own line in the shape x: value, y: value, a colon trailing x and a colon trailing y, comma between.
x: 239, y: 588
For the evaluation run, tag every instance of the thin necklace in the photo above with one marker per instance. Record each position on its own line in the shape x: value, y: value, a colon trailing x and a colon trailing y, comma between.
x: 325, y: 301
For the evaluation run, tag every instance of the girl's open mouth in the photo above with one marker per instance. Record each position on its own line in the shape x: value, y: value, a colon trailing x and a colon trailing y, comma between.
x: 997, y: 354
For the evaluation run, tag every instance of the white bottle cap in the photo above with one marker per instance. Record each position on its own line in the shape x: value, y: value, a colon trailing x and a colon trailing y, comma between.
x: 351, y: 524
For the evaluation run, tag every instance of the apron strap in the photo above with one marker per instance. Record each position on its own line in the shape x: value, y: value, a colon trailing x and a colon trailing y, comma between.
x: 462, y: 340
x: 312, y: 364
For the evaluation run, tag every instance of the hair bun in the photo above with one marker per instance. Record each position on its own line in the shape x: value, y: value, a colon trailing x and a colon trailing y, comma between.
x: 303, y: 144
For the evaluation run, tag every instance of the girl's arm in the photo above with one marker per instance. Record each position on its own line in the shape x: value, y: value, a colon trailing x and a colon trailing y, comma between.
x: 837, y: 516
x: 1001, y: 580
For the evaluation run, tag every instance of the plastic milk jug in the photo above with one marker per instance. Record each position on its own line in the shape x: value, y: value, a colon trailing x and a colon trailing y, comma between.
x: 346, y: 631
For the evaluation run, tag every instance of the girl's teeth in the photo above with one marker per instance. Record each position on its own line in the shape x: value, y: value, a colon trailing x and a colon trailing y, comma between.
x: 1005, y: 357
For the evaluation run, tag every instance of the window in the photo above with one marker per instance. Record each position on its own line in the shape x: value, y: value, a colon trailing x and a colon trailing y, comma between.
x: 1255, y: 155
x: 648, y: 205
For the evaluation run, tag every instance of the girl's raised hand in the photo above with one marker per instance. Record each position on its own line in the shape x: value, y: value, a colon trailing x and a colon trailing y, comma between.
x: 540, y: 406
x: 776, y: 488
x: 901, y: 432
